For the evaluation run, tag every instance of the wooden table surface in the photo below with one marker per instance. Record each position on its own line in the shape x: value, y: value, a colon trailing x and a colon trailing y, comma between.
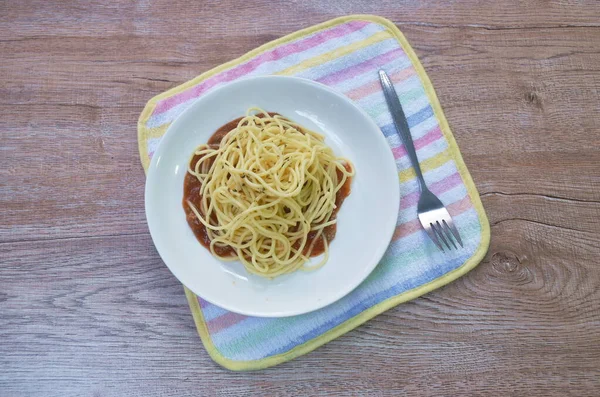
x: 88, y: 308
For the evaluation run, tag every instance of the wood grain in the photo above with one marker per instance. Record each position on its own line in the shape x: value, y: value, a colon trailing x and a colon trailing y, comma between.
x: 88, y: 308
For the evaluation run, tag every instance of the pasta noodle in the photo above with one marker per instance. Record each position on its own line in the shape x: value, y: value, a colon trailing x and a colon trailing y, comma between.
x: 268, y: 194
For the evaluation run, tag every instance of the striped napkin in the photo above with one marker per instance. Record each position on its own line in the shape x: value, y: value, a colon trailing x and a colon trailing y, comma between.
x: 345, y: 54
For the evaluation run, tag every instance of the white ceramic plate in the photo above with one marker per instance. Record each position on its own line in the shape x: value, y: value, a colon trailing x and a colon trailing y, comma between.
x: 366, y: 220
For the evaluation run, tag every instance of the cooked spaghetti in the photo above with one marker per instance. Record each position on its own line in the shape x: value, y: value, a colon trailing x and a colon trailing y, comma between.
x: 266, y: 192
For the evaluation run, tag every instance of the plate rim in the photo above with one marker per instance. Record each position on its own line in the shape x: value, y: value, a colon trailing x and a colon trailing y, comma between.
x: 386, y: 234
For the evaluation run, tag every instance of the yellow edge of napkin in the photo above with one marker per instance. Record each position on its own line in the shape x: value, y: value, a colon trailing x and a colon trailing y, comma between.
x: 381, y: 307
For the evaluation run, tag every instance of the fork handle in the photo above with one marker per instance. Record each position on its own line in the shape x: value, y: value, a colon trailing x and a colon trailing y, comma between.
x: 401, y: 124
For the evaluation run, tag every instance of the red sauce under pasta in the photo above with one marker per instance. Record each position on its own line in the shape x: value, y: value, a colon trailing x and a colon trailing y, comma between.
x: 191, y: 193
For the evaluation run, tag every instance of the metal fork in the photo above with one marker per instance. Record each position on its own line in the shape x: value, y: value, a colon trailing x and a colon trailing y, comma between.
x: 434, y: 217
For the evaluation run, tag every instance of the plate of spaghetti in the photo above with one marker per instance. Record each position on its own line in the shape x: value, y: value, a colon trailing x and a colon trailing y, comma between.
x: 272, y: 196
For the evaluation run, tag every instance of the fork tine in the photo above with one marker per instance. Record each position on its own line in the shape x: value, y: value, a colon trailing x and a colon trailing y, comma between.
x: 454, y: 231
x: 433, y: 237
x: 448, y: 234
x: 438, y: 230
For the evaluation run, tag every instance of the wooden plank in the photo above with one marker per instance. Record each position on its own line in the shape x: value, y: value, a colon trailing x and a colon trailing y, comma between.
x: 104, y: 77
x: 70, y: 171
x: 202, y: 21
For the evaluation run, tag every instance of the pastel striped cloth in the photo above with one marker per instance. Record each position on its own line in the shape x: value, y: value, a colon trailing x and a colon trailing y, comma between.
x: 345, y: 54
